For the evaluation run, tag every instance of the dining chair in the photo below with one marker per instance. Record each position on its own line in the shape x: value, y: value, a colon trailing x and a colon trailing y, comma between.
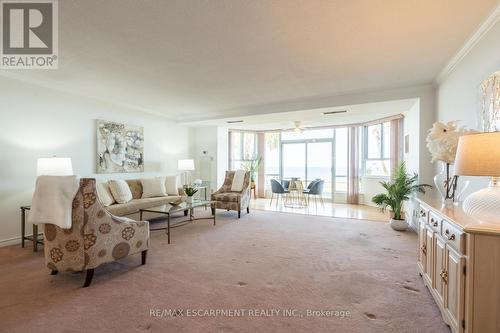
x: 277, y: 189
x: 316, y: 190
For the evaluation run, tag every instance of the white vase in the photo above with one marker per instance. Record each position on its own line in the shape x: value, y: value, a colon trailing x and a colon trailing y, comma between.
x: 189, y: 199
x: 398, y: 225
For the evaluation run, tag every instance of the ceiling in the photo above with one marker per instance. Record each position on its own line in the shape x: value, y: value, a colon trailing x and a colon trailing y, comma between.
x: 192, y: 59
x: 355, y: 114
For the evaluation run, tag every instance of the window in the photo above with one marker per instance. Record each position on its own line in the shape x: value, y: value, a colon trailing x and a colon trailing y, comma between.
x: 377, y: 151
x: 243, y: 148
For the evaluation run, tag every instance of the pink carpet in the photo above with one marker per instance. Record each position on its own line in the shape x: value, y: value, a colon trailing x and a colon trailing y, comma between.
x: 271, y: 269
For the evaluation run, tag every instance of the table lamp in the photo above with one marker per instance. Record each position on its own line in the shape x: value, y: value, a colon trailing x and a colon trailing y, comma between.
x: 479, y: 155
x: 54, y: 166
x: 187, y: 166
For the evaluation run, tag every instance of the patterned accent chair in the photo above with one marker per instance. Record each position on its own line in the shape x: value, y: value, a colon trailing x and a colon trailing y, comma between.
x: 226, y: 199
x: 96, y: 237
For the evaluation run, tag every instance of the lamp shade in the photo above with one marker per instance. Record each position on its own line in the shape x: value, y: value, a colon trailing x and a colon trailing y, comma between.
x: 54, y: 166
x: 478, y: 155
x: 185, y: 165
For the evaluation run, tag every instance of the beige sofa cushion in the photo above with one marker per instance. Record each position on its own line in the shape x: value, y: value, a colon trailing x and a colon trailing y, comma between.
x: 134, y: 205
x: 120, y: 190
x: 135, y: 186
x: 153, y: 187
x: 172, y: 185
x: 104, y: 194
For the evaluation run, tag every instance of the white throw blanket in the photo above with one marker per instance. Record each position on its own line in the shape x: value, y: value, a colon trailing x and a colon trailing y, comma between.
x: 239, y: 178
x: 53, y: 200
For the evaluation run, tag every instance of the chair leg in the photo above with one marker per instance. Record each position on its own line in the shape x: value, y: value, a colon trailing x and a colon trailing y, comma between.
x: 272, y: 196
x: 54, y: 272
x: 144, y: 255
x: 213, y: 211
x: 248, y: 210
x: 239, y: 213
x: 185, y: 213
x: 88, y: 277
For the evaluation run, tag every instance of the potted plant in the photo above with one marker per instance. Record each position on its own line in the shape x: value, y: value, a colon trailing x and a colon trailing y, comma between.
x: 253, y: 166
x: 190, y: 191
x: 398, y: 190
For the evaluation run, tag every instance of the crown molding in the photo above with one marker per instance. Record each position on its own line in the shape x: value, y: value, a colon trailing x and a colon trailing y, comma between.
x: 486, y: 26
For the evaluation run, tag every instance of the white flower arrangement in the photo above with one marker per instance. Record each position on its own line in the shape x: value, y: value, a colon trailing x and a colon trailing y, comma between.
x: 442, y: 140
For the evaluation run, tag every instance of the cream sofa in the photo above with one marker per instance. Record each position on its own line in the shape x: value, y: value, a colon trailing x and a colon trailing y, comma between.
x: 131, y: 208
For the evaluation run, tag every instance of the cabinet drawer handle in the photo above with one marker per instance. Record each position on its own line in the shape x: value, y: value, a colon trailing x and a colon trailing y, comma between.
x: 444, y: 275
x: 450, y: 237
x: 424, y: 249
x: 434, y: 223
x: 422, y: 213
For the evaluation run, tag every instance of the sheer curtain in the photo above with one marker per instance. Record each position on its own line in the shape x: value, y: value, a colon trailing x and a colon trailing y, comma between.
x: 353, y: 166
x: 396, y: 133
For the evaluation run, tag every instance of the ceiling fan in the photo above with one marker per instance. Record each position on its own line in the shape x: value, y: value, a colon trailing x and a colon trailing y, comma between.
x: 297, y: 126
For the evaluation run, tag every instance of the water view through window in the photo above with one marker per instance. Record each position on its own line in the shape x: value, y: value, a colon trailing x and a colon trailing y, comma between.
x: 312, y: 154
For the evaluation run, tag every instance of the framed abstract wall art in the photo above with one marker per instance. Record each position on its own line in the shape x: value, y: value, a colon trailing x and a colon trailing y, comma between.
x: 489, y: 113
x: 120, y: 147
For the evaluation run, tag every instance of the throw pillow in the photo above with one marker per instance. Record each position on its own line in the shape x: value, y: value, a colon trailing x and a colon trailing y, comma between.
x: 153, y: 187
x: 120, y: 190
x: 172, y: 185
x: 238, y: 180
x: 104, y: 194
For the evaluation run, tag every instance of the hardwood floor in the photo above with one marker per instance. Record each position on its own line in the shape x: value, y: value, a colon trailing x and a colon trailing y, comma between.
x: 328, y: 209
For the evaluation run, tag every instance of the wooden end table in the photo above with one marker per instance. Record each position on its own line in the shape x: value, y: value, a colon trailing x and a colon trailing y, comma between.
x: 34, y: 238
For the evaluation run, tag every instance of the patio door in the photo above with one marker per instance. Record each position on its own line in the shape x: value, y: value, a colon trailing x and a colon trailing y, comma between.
x: 308, y: 160
x: 294, y: 160
x: 319, y: 164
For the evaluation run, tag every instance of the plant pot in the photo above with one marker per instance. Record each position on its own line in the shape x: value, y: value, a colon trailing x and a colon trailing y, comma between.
x: 398, y: 225
x: 189, y: 199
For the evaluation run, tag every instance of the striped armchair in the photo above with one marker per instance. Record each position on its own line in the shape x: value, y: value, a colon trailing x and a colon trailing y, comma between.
x: 96, y: 237
x: 226, y: 199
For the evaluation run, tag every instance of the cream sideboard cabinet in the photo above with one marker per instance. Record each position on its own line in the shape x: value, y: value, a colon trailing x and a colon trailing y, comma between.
x: 459, y: 261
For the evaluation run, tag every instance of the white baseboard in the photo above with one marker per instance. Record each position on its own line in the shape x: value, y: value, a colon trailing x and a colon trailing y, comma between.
x: 10, y: 241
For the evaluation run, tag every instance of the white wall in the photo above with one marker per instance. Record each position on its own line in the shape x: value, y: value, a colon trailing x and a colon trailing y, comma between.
x: 205, y: 139
x: 222, y: 154
x: 214, y: 140
x: 458, y: 92
x: 38, y: 122
x: 411, y: 128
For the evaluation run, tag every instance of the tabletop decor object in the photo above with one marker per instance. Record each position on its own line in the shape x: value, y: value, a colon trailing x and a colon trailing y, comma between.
x: 479, y: 155
x: 186, y: 166
x: 442, y: 142
x: 190, y: 192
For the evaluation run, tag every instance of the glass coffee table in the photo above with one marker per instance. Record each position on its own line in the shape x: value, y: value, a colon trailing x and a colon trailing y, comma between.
x: 168, y: 209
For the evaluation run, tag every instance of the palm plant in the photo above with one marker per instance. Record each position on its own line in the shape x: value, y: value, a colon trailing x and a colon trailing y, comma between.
x: 398, y: 190
x: 253, y: 166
